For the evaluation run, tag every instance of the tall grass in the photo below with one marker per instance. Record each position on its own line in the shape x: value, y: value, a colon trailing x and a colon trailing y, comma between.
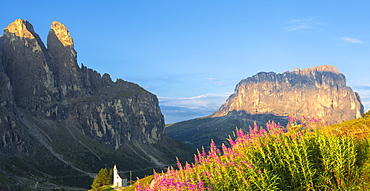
x: 302, y: 156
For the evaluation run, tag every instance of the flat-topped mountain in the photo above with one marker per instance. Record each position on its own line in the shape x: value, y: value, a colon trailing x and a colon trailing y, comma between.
x: 59, y: 119
x: 319, y: 92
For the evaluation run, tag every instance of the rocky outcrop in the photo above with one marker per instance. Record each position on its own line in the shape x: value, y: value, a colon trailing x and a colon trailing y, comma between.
x: 51, y: 104
x: 122, y: 113
x: 319, y: 92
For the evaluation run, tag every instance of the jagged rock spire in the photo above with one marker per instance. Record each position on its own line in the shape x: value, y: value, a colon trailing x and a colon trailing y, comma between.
x: 64, y: 60
x: 21, y: 28
x: 62, y: 33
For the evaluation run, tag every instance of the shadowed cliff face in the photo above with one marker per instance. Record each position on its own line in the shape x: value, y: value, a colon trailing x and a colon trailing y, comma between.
x: 319, y: 92
x: 74, y: 114
x: 49, y: 83
x: 27, y: 64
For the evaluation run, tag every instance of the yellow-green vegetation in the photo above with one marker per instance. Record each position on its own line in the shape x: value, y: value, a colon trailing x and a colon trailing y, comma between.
x: 306, y: 156
x: 143, y: 182
x: 103, y: 188
x: 101, y: 182
x: 103, y: 178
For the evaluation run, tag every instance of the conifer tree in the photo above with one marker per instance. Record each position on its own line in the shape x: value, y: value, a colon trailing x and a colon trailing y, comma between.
x: 102, y: 178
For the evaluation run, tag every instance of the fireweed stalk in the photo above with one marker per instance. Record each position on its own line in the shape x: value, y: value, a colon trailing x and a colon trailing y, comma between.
x: 297, y: 157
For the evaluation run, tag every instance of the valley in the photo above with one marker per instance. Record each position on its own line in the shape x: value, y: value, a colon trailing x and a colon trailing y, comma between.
x: 62, y: 122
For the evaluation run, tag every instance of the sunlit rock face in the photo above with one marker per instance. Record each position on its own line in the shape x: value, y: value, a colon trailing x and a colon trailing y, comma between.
x: 319, y: 92
x: 62, y: 33
x: 21, y: 28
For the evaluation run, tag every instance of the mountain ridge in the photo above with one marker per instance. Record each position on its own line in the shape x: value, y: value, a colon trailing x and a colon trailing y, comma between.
x: 59, y: 119
x: 268, y: 89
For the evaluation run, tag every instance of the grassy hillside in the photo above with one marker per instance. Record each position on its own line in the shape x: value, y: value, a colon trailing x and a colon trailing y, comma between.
x: 306, y: 156
x: 199, y: 132
x: 78, y: 154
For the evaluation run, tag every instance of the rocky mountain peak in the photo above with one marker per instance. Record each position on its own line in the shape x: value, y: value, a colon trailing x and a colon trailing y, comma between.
x: 64, y: 61
x: 56, y: 114
x: 48, y: 83
x: 319, y: 91
x: 62, y: 33
x: 21, y: 28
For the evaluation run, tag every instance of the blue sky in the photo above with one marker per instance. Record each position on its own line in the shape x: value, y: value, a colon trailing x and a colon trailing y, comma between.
x: 192, y: 53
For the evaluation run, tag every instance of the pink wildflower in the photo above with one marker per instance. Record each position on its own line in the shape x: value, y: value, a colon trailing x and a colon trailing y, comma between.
x: 250, y: 165
x: 263, y: 131
x: 138, y: 187
x: 201, y: 184
x: 192, y: 187
x: 187, y: 166
x: 179, y: 164
x: 232, y: 142
x: 196, y: 159
x: 292, y: 119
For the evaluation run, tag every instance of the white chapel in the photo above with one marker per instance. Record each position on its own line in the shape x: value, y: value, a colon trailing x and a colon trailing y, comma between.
x: 117, y: 180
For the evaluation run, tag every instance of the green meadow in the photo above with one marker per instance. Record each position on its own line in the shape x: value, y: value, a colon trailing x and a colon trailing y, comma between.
x: 305, y: 155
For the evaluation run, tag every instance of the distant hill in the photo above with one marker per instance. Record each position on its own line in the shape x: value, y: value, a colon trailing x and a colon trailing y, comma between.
x: 319, y: 92
x: 60, y: 123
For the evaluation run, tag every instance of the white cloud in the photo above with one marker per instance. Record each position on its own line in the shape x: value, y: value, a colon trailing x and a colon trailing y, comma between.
x: 352, y: 40
x: 206, y: 100
x: 304, y: 24
x: 300, y: 27
x: 215, y: 81
x: 183, y: 108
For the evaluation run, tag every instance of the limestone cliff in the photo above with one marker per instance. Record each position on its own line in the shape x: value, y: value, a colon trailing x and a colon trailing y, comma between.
x: 75, y: 118
x: 49, y: 83
x: 319, y: 92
